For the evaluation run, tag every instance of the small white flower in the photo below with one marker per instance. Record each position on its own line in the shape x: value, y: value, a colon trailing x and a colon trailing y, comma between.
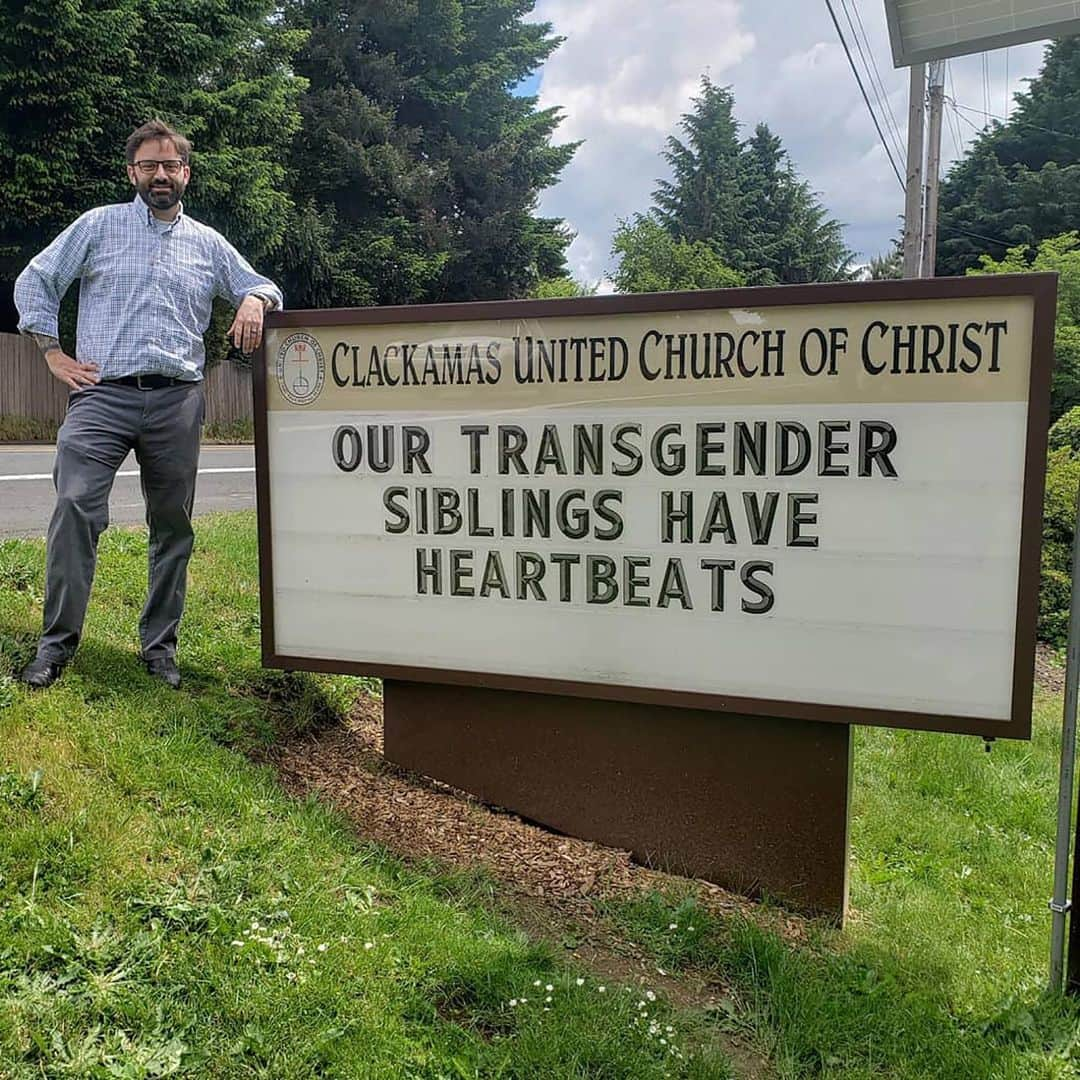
x: 650, y: 995
x: 239, y: 944
x: 690, y: 928
x: 513, y: 1003
x: 580, y: 982
x: 549, y: 988
x: 601, y: 989
x: 536, y: 982
x: 369, y: 944
x: 548, y: 999
x: 673, y: 926
x: 322, y: 947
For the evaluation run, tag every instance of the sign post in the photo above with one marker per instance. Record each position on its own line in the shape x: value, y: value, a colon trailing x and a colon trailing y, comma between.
x: 632, y: 566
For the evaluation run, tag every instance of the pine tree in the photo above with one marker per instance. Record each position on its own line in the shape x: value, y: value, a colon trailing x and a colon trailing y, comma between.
x: 1019, y: 182
x: 77, y: 77
x: 745, y: 199
x: 429, y: 167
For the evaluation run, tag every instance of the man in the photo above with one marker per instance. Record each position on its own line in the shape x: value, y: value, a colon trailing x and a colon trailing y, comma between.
x: 148, y: 276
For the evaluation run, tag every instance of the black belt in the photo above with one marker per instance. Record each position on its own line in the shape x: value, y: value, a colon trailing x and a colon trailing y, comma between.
x: 149, y: 382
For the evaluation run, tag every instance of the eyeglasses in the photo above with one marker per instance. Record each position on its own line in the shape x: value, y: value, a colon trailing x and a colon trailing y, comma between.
x: 148, y: 166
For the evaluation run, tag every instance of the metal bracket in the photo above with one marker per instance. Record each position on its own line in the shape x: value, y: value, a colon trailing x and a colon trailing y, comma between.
x: 1060, y: 909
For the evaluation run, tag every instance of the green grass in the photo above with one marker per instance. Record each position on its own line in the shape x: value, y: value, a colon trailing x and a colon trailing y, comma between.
x: 27, y: 429
x: 163, y: 904
x: 230, y: 431
x: 943, y: 968
x: 165, y: 910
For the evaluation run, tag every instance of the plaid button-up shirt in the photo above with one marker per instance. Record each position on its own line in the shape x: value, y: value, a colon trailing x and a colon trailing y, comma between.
x: 146, y: 289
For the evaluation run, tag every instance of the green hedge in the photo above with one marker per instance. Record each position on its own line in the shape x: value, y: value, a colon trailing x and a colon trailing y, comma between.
x: 1059, y: 511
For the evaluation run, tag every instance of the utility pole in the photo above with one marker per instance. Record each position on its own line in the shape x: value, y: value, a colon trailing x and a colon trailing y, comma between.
x: 913, y: 220
x: 933, y: 167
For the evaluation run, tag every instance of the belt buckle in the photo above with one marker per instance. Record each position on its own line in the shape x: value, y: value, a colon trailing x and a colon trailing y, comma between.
x: 139, y: 383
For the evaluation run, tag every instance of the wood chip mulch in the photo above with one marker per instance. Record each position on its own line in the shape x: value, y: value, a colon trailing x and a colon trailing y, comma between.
x: 419, y: 818
x: 1049, y: 671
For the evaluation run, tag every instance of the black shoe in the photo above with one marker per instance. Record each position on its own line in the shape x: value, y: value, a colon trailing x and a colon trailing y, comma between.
x: 41, y: 673
x: 165, y: 669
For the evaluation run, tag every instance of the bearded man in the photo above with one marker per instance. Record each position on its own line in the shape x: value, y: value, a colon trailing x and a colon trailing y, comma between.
x: 149, y: 274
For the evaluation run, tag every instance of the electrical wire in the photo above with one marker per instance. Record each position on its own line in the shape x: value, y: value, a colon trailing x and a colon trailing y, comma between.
x: 874, y: 74
x: 954, y: 126
x: 1022, y: 123
x: 1008, y: 96
x: 866, y: 98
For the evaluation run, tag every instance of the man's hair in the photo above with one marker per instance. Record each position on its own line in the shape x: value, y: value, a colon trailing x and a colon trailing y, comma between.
x: 157, y: 129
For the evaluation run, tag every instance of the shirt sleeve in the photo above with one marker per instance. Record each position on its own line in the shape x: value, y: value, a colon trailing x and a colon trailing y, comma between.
x: 42, y: 284
x: 236, y: 278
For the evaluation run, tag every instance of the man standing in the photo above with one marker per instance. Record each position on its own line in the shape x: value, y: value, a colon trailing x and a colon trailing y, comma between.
x: 149, y: 274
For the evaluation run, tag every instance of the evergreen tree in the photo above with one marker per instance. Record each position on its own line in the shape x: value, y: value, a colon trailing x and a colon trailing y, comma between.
x: 1019, y: 182
x: 429, y: 167
x: 77, y: 77
x: 745, y: 200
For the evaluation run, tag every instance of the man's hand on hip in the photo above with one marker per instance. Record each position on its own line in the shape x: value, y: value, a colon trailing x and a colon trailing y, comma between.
x: 70, y: 371
x: 247, y: 328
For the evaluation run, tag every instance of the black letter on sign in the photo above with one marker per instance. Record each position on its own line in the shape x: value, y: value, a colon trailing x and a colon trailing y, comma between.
x: 530, y: 572
x: 417, y: 443
x: 871, y: 451
x: 429, y: 570
x: 786, y: 465
x: 600, y: 587
x: 759, y: 588
x: 796, y: 518
x: 347, y: 448
x: 400, y: 512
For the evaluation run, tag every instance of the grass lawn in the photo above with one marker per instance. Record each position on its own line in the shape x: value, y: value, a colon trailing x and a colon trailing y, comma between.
x: 166, y: 910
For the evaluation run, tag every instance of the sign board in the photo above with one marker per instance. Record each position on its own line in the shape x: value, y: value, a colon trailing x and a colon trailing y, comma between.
x: 812, y: 502
x: 922, y: 30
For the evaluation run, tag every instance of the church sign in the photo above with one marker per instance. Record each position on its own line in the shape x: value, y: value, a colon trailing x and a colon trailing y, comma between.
x: 816, y: 502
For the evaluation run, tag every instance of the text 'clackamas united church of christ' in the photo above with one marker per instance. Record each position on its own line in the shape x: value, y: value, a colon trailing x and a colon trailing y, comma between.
x: 458, y: 525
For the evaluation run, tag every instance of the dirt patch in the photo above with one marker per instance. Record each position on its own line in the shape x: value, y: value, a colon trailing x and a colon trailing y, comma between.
x: 1049, y: 671
x: 550, y: 884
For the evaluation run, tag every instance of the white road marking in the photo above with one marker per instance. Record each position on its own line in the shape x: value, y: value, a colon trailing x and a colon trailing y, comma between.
x: 128, y: 472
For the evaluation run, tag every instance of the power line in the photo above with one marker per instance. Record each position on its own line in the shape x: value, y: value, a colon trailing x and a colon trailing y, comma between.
x: 1008, y: 96
x: 954, y: 126
x: 1022, y: 123
x: 862, y: 89
x: 977, y: 236
x: 874, y: 74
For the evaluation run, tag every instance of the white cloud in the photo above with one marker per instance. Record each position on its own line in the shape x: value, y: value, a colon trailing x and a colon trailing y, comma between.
x: 623, y: 77
x: 628, y: 69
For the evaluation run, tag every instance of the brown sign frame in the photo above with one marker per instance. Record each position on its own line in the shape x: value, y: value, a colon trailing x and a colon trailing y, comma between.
x: 1042, y: 288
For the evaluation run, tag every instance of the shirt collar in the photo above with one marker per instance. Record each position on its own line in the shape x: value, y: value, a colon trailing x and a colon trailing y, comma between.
x: 140, y: 206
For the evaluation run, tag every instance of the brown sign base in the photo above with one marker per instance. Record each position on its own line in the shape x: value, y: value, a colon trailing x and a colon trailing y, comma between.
x: 757, y: 805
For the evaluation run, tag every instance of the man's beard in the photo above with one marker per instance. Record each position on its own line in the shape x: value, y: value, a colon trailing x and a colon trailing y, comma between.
x: 161, y: 194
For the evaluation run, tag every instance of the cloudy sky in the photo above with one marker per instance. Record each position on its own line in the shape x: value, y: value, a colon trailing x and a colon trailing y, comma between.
x: 628, y: 68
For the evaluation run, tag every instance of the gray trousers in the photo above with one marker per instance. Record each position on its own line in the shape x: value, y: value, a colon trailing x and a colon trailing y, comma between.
x: 102, y: 425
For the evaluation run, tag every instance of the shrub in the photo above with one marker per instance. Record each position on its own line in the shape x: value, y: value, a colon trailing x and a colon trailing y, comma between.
x: 1059, y: 515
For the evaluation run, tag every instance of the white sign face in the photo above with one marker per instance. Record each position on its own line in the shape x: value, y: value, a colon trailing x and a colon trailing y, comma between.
x: 801, y: 509
x: 923, y: 30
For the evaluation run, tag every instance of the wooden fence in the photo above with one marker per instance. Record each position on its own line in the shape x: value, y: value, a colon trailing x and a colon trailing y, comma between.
x: 28, y: 390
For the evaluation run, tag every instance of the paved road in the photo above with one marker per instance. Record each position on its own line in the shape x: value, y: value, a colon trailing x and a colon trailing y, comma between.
x: 226, y: 482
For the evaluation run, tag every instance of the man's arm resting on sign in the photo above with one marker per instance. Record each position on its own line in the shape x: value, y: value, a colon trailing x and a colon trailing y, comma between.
x: 247, y: 327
